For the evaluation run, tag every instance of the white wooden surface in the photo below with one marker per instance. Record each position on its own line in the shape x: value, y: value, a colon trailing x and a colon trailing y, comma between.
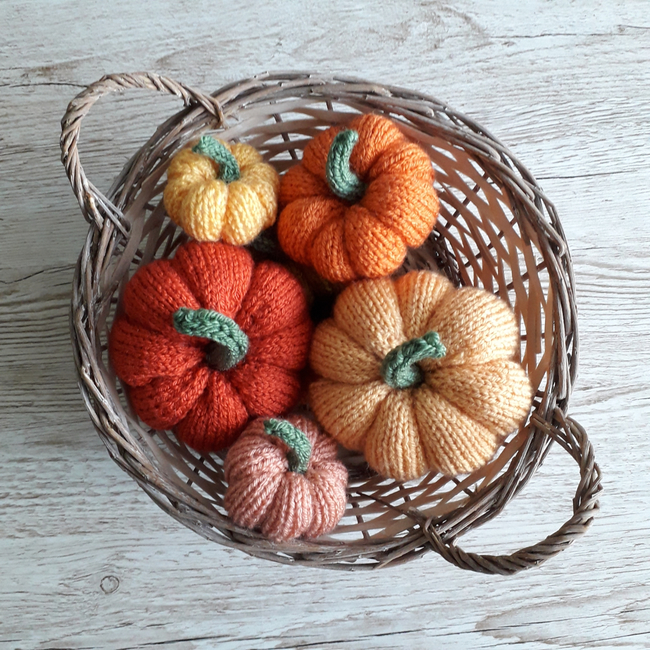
x: 87, y: 561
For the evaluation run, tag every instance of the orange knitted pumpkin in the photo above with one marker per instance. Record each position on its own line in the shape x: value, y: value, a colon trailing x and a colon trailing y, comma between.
x: 208, y: 339
x: 283, y: 477
x: 419, y: 375
x: 359, y: 197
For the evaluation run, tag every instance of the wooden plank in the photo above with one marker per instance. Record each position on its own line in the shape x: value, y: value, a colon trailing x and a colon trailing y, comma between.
x: 88, y: 561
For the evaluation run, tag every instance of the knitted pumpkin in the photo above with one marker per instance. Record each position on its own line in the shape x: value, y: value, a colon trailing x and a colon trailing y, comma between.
x: 419, y: 375
x: 216, y: 191
x: 358, y: 199
x: 283, y: 477
x: 208, y: 339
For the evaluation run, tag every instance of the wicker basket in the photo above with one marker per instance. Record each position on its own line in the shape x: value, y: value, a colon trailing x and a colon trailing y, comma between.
x: 496, y: 230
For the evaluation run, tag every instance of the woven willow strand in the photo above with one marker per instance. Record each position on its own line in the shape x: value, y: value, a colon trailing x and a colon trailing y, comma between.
x: 496, y: 230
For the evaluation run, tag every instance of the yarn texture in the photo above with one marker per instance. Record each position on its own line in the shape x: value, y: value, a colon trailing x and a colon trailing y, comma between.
x: 217, y: 191
x: 284, y: 478
x: 399, y: 367
x: 340, y: 177
x: 359, y: 198
x: 419, y: 375
x: 209, y: 324
x: 298, y: 443
x: 207, y: 340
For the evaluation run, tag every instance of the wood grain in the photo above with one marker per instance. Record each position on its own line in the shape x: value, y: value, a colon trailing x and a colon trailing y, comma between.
x: 88, y: 561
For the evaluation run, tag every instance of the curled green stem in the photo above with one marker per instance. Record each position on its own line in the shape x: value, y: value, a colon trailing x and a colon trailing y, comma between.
x: 399, y: 368
x: 229, y: 344
x: 298, y: 443
x: 212, y: 148
x: 340, y: 177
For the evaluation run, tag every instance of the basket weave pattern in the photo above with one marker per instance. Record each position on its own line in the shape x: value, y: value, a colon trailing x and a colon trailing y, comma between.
x: 496, y: 231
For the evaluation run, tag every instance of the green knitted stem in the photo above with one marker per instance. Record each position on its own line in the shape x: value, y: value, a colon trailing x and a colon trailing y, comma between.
x: 295, y: 439
x: 230, y: 344
x: 228, y: 167
x: 399, y: 368
x: 341, y: 179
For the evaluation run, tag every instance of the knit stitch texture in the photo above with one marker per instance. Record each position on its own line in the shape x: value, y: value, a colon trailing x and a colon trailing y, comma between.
x: 468, y: 400
x: 299, y: 446
x: 399, y: 367
x: 210, y: 324
x: 216, y: 150
x: 217, y: 191
x: 264, y: 490
x: 350, y: 209
x: 171, y: 376
x: 340, y: 178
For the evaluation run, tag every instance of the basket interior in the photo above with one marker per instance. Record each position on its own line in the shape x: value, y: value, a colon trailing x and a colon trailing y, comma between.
x: 486, y: 236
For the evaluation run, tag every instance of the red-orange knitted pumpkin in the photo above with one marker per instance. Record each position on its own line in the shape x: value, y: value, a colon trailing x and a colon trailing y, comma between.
x: 360, y: 196
x: 284, y: 478
x: 208, y: 339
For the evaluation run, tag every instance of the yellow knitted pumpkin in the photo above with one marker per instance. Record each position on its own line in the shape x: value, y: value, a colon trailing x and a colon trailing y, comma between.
x: 217, y: 191
x: 419, y: 375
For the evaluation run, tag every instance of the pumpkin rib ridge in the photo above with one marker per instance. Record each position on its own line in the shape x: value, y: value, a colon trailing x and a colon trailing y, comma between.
x: 460, y: 447
x: 304, y: 329
x: 188, y: 258
x: 199, y: 426
x: 494, y: 428
x: 339, y: 269
x: 446, y: 399
x: 360, y: 268
x: 496, y: 313
x: 402, y: 455
x: 364, y: 433
x: 140, y: 368
x: 134, y: 303
x: 233, y: 232
x: 374, y: 419
x: 267, y: 266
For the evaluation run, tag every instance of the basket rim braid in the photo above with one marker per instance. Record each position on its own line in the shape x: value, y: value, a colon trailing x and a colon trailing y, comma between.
x: 496, y: 230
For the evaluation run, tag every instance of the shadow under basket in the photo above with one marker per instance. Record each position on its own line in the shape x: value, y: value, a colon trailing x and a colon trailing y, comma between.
x: 496, y: 231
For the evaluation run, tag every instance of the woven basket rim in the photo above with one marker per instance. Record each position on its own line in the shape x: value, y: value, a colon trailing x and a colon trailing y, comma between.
x: 110, y: 227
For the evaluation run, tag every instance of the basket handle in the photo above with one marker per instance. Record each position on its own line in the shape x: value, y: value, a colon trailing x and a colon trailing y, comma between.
x: 95, y: 207
x: 573, y: 438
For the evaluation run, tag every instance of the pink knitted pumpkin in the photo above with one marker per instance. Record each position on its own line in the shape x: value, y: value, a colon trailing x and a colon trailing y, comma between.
x: 284, y: 478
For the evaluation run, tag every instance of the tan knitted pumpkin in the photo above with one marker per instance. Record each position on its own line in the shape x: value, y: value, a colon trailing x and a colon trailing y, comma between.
x: 419, y: 375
